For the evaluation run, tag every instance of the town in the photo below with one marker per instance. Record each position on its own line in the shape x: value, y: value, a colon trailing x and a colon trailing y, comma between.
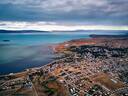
x: 82, y: 68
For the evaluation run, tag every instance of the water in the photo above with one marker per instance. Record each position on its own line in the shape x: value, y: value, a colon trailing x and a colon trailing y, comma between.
x: 21, y: 51
x: 36, y: 39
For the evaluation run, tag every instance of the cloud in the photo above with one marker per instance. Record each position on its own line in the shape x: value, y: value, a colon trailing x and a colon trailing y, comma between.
x: 51, y: 26
x: 88, y: 11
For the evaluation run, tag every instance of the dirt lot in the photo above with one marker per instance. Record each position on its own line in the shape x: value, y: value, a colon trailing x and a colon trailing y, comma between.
x: 108, y: 82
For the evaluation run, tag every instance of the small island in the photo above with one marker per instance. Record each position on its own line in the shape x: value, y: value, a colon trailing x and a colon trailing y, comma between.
x: 6, y: 40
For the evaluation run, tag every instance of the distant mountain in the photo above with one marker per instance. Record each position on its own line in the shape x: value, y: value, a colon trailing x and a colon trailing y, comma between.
x: 75, y: 31
x: 126, y: 31
x: 21, y: 31
x: 36, y: 31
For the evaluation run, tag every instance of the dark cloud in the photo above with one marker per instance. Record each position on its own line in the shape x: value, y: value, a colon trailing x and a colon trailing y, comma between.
x: 80, y: 11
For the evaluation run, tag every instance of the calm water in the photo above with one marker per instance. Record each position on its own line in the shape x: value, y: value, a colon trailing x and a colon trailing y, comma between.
x: 37, y: 39
x: 21, y: 51
x: 29, y: 50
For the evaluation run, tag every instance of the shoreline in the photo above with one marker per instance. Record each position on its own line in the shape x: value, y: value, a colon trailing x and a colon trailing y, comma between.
x: 84, y: 62
x: 59, y: 47
x: 19, y: 65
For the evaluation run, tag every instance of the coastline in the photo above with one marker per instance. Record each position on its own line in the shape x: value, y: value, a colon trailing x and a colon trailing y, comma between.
x: 98, y: 63
x: 60, y: 47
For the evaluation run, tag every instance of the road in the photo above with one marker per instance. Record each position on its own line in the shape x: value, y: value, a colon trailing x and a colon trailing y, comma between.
x: 36, y: 94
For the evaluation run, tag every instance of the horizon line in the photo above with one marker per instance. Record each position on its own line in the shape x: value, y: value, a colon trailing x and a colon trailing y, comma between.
x: 53, y: 26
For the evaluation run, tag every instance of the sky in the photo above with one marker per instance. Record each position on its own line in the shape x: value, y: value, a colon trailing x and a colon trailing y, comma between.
x: 64, y: 14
